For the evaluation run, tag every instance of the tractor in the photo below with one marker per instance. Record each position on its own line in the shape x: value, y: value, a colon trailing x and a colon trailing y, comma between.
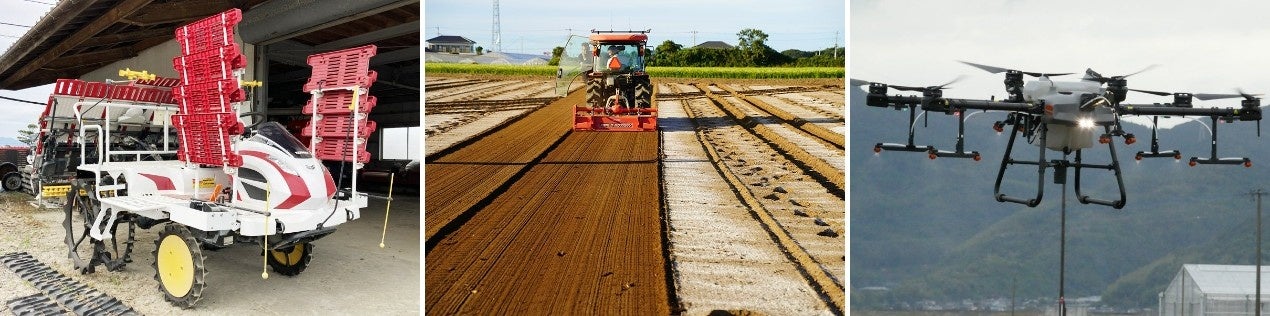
x: 618, y: 92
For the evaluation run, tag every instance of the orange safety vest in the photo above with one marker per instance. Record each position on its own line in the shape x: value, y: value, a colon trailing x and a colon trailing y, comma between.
x: 614, y: 64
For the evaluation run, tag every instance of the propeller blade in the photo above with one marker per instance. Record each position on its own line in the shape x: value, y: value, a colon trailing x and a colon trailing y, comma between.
x: 1157, y: 93
x: 1246, y: 95
x: 1141, y: 71
x: 1215, y: 96
x: 991, y: 69
x: 996, y: 70
x: 1090, y: 74
x: 942, y: 86
x: 904, y: 88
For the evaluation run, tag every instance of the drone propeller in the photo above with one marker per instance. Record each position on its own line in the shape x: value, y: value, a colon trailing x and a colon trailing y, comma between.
x: 1246, y: 96
x: 1201, y: 96
x: 1090, y: 74
x: 997, y: 70
x: 858, y: 82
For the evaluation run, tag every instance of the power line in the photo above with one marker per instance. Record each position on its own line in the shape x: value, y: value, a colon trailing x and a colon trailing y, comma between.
x: 18, y: 25
x: 21, y: 100
x: 38, y: 2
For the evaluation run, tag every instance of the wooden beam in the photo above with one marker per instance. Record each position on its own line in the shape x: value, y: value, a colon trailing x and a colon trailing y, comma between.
x: 118, y: 12
x: 179, y: 11
x: 372, y: 36
x: 127, y: 37
x: 92, y: 58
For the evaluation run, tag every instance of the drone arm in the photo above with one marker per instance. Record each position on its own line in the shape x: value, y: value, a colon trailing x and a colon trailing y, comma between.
x: 1243, y: 114
x: 945, y: 105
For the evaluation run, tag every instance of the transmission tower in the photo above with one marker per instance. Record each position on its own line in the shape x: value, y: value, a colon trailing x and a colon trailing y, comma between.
x: 496, y: 37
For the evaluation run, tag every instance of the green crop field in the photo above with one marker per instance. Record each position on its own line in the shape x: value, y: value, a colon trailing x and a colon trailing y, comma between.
x: 656, y: 72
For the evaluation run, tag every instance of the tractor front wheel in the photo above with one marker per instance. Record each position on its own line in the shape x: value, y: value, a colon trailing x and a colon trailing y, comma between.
x: 290, y: 262
x: 178, y: 266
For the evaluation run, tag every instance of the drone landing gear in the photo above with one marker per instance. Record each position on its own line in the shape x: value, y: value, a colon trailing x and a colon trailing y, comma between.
x: 1114, y: 167
x: 930, y: 150
x: 961, y: 142
x: 1212, y: 158
x: 1060, y: 172
x: 1155, y: 145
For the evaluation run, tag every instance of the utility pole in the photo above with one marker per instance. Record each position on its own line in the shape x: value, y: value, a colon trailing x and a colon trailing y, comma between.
x: 835, y: 44
x: 496, y: 38
x: 1258, y: 193
x: 438, y: 30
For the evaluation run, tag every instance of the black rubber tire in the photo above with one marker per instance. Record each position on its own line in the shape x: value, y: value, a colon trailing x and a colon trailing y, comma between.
x: 594, y: 92
x: 183, y: 240
x: 290, y: 262
x: 12, y: 181
x: 643, y: 93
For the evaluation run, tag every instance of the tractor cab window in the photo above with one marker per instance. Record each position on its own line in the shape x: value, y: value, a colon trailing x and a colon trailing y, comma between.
x: 621, y: 58
x: 273, y: 134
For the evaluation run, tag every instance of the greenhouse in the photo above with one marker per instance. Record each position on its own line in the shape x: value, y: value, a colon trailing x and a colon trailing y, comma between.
x: 1215, y: 290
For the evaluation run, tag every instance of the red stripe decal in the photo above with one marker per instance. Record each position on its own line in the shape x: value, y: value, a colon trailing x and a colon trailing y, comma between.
x: 160, y: 182
x: 299, y: 192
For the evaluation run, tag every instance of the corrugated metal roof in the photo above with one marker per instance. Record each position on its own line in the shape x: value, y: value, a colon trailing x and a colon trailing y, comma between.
x: 1228, y: 279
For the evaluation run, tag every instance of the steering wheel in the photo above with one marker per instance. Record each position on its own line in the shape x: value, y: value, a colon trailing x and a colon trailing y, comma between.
x: 256, y: 119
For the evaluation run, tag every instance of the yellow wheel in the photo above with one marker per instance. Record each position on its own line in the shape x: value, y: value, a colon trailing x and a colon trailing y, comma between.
x: 291, y: 262
x: 178, y: 266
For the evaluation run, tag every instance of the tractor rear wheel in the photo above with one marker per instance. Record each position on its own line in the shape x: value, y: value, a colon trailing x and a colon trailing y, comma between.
x: 290, y: 262
x: 643, y: 93
x: 12, y: 181
x: 594, y: 92
x: 178, y: 266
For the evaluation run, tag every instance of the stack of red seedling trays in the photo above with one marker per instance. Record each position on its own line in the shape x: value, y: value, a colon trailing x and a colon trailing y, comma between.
x: 207, y: 89
x: 336, y: 77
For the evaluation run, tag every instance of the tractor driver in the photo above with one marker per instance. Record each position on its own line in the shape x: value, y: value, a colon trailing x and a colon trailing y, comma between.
x: 615, y: 62
x: 585, y: 59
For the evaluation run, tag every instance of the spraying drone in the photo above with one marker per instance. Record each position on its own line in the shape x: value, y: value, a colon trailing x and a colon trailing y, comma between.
x: 1065, y: 116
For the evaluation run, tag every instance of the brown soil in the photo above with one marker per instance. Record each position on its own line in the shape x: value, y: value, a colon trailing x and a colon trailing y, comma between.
x: 459, y: 180
x: 576, y: 235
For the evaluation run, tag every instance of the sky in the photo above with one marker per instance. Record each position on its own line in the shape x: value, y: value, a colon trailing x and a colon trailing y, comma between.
x: 535, y: 27
x: 17, y: 115
x: 1199, y: 46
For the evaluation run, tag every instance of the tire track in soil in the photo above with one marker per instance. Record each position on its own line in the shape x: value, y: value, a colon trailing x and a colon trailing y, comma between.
x: 505, y: 87
x: 459, y: 179
x: 576, y: 235
x: 806, y: 212
x: 723, y: 257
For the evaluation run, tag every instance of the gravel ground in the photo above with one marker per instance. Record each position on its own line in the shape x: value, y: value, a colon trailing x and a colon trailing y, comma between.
x: 349, y: 273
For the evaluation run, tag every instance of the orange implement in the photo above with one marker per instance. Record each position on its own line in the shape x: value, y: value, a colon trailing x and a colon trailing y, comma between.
x: 620, y: 120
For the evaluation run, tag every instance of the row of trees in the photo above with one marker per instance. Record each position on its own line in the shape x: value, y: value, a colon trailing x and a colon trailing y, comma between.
x: 751, y: 51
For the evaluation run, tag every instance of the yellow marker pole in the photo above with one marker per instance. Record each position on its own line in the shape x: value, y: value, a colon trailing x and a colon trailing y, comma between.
x: 353, y: 106
x: 264, y: 268
x: 391, y: 177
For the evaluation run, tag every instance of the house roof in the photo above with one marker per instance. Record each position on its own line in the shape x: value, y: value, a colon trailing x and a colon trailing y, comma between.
x: 714, y: 44
x: 450, y: 39
x: 1227, y: 279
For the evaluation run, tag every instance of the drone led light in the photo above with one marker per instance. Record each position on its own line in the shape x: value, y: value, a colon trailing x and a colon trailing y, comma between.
x: 1085, y: 123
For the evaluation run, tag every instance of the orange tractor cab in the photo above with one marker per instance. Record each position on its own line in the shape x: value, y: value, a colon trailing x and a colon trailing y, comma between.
x: 619, y: 94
